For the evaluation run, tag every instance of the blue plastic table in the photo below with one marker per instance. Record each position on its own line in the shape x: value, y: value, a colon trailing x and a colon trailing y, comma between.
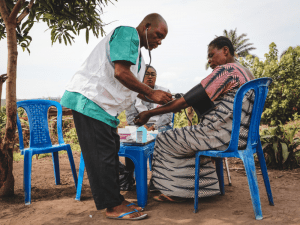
x: 139, y: 154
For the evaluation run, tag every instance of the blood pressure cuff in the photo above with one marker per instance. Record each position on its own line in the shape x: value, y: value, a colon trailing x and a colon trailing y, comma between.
x: 199, y: 100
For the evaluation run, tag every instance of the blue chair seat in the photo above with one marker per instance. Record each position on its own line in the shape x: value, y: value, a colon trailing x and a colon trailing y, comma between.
x: 46, y: 149
x: 40, y: 142
x: 260, y: 88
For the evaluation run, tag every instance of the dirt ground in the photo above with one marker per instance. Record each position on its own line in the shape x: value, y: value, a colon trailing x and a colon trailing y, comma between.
x: 55, y: 204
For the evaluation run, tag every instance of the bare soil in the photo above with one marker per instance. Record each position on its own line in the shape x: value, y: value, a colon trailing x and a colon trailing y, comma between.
x: 55, y: 204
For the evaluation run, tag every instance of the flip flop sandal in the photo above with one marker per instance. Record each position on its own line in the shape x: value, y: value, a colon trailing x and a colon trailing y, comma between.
x: 121, y: 217
x: 165, y: 198
x: 130, y: 204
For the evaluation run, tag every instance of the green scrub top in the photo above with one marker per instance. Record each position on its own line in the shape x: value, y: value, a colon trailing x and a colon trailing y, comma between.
x: 124, y: 44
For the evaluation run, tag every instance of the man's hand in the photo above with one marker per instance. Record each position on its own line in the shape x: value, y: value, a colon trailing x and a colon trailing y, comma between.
x: 160, y: 97
x: 141, y: 119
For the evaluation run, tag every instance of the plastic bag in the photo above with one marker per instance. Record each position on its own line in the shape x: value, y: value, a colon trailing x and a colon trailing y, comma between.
x: 126, y: 179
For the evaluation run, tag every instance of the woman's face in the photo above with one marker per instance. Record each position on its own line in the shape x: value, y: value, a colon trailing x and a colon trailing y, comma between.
x: 217, y: 56
x: 150, y: 77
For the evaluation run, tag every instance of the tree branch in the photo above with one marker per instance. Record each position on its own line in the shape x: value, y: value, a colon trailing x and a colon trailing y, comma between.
x: 3, y: 78
x: 25, y: 12
x: 16, y: 10
x: 3, y: 10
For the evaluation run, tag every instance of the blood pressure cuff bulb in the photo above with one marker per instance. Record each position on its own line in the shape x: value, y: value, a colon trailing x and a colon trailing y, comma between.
x: 199, y: 100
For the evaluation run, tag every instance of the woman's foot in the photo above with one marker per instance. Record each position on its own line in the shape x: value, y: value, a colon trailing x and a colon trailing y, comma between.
x: 132, y: 206
x: 165, y: 198
x: 123, y: 212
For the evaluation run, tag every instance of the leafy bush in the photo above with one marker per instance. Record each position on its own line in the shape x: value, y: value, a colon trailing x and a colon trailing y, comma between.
x: 2, y: 117
x: 279, y: 146
x: 283, y: 100
x: 180, y: 119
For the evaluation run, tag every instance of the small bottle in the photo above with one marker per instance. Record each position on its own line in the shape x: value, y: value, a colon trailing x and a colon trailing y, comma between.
x: 141, y: 135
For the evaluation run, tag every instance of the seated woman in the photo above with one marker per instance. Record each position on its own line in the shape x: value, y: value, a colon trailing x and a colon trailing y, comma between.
x: 174, y: 154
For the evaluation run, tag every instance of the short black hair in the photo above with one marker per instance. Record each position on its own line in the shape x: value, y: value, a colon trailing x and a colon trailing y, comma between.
x: 149, y: 66
x: 220, y: 42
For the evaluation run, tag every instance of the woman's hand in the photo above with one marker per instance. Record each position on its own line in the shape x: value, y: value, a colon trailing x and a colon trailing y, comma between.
x: 141, y: 119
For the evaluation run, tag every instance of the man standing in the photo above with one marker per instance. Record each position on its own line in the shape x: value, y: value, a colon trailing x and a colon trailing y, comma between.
x: 106, y: 84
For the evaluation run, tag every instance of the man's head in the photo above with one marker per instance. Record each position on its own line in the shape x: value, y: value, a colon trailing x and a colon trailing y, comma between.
x: 154, y: 29
x: 220, y: 52
x: 150, y: 77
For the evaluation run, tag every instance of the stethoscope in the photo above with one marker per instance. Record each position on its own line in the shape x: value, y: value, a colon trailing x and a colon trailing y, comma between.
x: 149, y: 55
x: 147, y: 67
x: 176, y: 96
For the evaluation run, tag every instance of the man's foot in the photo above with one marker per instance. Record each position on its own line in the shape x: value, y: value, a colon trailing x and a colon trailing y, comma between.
x: 132, y: 206
x: 123, y: 212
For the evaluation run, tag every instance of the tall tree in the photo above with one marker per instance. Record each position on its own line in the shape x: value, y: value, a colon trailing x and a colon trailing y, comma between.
x: 240, y: 44
x: 65, y: 18
x: 286, y: 50
x: 241, y: 47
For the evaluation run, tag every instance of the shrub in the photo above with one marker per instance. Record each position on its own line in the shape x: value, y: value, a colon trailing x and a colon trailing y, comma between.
x: 180, y: 119
x: 279, y: 146
x: 283, y: 100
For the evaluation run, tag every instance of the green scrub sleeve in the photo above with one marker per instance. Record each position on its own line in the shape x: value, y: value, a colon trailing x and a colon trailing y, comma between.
x: 124, y: 44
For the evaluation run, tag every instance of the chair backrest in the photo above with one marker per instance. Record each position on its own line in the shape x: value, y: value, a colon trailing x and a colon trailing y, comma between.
x: 173, y: 117
x: 260, y: 87
x: 37, y: 112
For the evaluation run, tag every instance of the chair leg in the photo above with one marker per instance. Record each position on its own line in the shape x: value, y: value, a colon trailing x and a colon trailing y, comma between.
x: 197, y: 174
x: 150, y: 161
x: 72, y: 164
x: 80, y: 178
x: 56, y: 167
x: 27, y: 176
x: 220, y: 173
x: 248, y: 160
x: 228, y: 172
x: 141, y: 180
x: 264, y: 171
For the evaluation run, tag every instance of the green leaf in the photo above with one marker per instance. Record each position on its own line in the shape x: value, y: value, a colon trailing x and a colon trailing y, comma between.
x: 87, y: 35
x: 275, y: 148
x: 265, y: 145
x: 266, y: 136
x: 65, y: 40
x: 285, y: 152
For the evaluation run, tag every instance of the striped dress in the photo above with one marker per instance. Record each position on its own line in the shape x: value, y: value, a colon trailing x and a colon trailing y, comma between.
x: 174, y: 154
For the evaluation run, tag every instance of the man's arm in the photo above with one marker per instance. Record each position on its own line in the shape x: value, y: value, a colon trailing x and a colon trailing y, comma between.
x: 164, y: 120
x: 125, y: 76
x: 131, y: 113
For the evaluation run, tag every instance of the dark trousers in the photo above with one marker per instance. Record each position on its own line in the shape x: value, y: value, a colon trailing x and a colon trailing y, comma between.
x: 100, y: 144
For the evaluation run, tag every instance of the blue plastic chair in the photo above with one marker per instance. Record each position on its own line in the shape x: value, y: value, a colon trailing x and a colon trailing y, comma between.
x: 138, y: 153
x: 40, y: 141
x: 260, y: 87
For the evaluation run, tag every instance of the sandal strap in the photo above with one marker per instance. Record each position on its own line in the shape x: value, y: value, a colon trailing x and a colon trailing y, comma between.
x: 130, y: 204
x: 125, y: 214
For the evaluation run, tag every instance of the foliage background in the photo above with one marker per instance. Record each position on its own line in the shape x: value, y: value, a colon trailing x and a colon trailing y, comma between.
x: 283, y: 103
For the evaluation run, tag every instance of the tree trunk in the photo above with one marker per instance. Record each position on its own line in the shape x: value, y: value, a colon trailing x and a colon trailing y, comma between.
x: 6, y: 151
x: 190, y: 114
